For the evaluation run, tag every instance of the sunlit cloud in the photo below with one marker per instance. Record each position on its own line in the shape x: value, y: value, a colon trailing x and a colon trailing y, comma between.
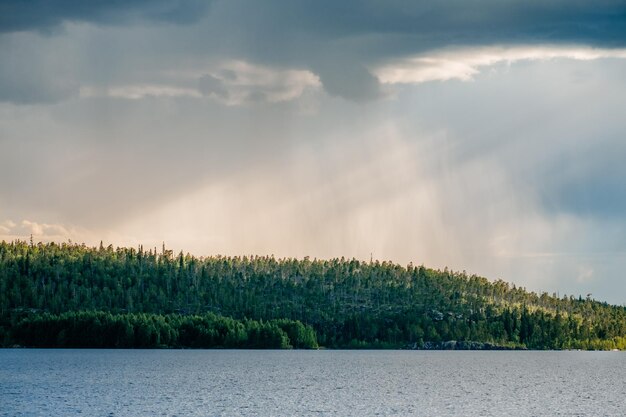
x: 464, y: 63
x: 140, y: 91
x: 239, y: 82
x: 6, y: 227
x: 279, y: 84
x: 232, y: 83
x: 10, y: 230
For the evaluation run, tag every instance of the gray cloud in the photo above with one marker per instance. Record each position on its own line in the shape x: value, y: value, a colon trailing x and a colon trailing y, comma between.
x: 348, y: 79
x: 208, y: 84
x: 367, y: 32
x: 44, y: 16
x: 10, y: 229
x: 30, y: 74
x: 455, y: 21
x: 336, y: 40
x: 31, y: 89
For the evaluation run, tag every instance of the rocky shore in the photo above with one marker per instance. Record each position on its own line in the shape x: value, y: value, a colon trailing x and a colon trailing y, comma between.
x: 461, y: 345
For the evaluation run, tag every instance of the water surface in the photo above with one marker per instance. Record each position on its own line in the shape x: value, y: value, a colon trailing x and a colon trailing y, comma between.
x: 310, y: 383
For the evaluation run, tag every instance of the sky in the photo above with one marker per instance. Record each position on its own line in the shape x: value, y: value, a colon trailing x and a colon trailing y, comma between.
x: 485, y: 136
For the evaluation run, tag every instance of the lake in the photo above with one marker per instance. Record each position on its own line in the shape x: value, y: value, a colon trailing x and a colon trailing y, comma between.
x: 77, y: 382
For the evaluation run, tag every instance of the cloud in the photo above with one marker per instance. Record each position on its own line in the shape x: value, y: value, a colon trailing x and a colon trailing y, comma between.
x: 42, y: 229
x: 6, y: 227
x: 342, y: 43
x: 136, y: 92
x: 232, y: 83
x: 464, y: 64
x: 240, y: 82
x: 349, y: 80
x: 30, y: 74
x: 43, y: 16
x: 10, y: 230
x: 210, y: 85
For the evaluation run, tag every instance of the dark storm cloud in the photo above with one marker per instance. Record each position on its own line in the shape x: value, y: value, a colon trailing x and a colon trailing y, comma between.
x: 338, y: 40
x: 375, y: 29
x: 43, y: 15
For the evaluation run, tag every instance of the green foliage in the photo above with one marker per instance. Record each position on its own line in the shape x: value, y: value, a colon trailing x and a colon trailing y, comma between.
x: 158, y: 299
x: 89, y: 329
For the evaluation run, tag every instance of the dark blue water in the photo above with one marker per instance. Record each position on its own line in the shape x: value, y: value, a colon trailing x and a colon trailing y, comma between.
x: 310, y: 383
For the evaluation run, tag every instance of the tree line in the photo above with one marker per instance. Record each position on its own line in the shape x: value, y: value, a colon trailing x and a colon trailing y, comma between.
x: 140, y: 330
x: 345, y: 302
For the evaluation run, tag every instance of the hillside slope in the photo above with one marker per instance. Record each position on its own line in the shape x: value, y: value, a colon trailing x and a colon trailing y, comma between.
x: 348, y: 303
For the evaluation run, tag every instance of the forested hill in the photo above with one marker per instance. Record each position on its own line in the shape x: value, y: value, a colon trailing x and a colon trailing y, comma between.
x: 74, y: 295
